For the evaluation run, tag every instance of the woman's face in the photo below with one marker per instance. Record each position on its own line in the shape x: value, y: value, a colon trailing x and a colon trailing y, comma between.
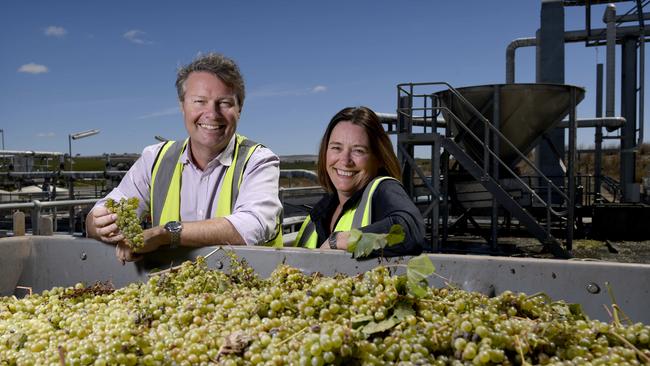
x: 350, y: 161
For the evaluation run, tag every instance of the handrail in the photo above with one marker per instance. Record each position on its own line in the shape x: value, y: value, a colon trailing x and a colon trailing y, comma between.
x: 528, y: 188
x: 46, y: 204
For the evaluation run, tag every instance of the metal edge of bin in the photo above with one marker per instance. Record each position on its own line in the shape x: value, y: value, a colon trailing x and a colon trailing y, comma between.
x: 64, y: 261
x: 14, y: 253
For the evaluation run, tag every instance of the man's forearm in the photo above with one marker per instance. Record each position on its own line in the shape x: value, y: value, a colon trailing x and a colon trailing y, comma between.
x: 215, y: 231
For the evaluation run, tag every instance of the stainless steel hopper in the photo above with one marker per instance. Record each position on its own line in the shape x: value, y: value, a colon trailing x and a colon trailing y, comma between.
x: 526, y: 112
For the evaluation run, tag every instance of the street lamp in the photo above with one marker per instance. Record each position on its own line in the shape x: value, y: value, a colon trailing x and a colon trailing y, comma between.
x: 159, y: 138
x: 77, y: 136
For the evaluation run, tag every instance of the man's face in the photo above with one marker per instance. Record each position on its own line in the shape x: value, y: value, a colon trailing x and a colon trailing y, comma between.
x: 211, y: 112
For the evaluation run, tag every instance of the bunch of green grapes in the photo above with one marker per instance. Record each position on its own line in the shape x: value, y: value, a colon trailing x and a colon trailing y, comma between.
x: 127, y: 220
x: 193, y: 315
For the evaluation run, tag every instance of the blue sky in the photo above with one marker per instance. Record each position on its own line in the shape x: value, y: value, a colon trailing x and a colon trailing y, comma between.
x: 70, y: 66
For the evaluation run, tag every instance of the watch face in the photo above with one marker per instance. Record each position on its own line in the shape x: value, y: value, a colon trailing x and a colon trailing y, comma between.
x: 173, y: 226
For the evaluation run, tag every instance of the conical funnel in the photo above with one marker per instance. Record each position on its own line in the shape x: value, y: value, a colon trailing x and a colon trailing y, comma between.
x: 526, y: 112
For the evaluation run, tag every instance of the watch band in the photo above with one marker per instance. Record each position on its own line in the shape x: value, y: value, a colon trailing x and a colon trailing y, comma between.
x: 175, y: 239
x: 174, y: 229
x: 332, y: 240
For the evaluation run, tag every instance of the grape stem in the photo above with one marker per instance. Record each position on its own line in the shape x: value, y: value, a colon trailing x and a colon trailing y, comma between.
x: 61, y: 355
x: 176, y: 268
x: 520, y: 351
x: 293, y: 336
x: 642, y: 355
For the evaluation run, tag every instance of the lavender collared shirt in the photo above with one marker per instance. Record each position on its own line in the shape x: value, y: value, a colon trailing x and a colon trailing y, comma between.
x: 257, y: 207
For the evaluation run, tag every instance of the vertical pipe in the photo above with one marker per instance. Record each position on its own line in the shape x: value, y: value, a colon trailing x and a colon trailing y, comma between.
x: 628, y: 111
x: 598, y: 153
x: 70, y: 152
x: 550, y: 69
x: 610, y: 19
x: 641, y: 86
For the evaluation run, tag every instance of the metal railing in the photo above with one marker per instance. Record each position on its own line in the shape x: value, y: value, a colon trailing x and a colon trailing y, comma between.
x: 38, y: 208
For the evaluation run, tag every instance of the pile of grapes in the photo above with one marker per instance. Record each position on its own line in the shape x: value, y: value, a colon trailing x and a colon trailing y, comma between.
x: 197, y: 316
x: 127, y: 220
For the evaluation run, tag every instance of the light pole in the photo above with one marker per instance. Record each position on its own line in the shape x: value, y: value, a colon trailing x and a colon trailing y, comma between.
x: 77, y: 136
x: 3, y: 138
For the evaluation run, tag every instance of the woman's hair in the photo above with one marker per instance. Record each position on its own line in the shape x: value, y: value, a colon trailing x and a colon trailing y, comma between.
x: 218, y: 65
x: 380, y: 145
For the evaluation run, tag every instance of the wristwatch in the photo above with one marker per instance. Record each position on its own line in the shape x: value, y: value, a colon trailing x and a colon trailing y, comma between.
x: 174, y: 229
x: 332, y: 240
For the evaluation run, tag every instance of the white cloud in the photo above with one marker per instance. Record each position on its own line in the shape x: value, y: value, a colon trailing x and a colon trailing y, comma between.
x: 281, y: 91
x: 164, y: 112
x: 46, y: 134
x: 54, y: 31
x: 319, y: 89
x: 32, y: 68
x: 136, y: 36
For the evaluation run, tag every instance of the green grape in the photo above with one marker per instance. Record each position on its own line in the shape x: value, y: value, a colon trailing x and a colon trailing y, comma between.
x: 127, y: 220
x: 198, y: 316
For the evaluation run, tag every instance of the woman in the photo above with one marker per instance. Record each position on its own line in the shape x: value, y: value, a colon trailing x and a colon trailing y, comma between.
x: 359, y: 170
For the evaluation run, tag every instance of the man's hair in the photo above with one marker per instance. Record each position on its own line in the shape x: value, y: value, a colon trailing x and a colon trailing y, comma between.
x: 380, y: 145
x: 220, y: 66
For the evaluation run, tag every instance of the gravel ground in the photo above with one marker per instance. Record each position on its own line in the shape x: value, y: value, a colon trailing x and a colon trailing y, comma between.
x: 586, y: 249
x: 625, y: 252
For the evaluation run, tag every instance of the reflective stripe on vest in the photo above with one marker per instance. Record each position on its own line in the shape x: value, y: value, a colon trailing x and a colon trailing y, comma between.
x: 353, y: 218
x: 166, y: 183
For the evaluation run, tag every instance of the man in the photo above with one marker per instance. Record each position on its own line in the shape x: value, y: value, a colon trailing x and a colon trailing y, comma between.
x: 216, y: 187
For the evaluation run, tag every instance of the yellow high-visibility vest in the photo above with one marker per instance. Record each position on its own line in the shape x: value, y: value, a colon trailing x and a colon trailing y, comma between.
x: 165, y: 194
x: 353, y: 218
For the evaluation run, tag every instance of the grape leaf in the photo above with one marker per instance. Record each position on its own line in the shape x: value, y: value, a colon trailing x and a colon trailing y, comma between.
x: 362, y: 244
x: 353, y: 239
x: 382, y: 326
x: 396, y: 235
x: 417, y: 271
x: 361, y: 319
x: 420, y: 267
x: 402, y: 311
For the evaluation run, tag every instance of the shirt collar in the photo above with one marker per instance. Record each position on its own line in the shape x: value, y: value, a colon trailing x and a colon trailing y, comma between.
x: 224, y: 158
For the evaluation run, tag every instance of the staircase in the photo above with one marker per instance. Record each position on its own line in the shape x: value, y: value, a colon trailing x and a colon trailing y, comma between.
x: 484, y: 150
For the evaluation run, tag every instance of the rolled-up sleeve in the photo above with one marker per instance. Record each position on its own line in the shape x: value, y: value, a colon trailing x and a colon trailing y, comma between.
x: 257, y: 209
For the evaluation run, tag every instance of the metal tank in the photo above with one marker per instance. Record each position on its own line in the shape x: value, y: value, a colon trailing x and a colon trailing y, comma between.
x: 524, y: 113
x: 40, y: 262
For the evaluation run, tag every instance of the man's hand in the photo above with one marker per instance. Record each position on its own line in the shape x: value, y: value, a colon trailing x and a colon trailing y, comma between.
x: 105, y: 227
x: 124, y: 253
x: 154, y: 238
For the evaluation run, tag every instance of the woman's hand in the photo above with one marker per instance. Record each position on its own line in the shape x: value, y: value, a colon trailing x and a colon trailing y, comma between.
x: 341, y: 241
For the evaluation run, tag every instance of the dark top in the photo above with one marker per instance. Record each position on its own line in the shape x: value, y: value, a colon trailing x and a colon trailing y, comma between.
x: 390, y: 205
